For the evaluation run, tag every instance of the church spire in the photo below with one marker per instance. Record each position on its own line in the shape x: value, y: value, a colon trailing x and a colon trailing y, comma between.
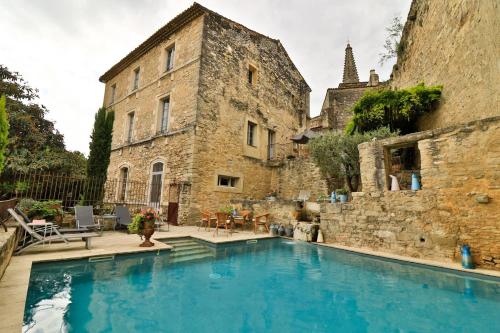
x: 350, y: 71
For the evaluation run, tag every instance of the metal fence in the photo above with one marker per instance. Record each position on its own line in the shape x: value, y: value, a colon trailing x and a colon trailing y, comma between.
x: 73, y: 191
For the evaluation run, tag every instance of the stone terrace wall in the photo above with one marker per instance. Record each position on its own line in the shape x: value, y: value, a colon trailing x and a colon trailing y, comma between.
x: 300, y: 174
x: 7, y: 245
x: 281, y: 211
x: 459, y: 201
x: 453, y: 43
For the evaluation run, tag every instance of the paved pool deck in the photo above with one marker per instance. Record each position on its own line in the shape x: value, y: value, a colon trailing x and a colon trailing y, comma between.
x: 14, y: 283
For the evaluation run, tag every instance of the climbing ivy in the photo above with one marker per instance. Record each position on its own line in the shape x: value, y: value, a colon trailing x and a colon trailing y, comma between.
x: 396, y: 109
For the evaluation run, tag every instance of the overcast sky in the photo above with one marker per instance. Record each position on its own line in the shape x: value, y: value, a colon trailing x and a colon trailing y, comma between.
x: 62, y: 47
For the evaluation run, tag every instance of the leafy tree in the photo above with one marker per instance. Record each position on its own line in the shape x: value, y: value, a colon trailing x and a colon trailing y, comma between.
x: 393, y: 46
x: 337, y: 155
x: 100, y: 144
x: 34, y: 142
x: 4, y: 131
x: 396, y: 109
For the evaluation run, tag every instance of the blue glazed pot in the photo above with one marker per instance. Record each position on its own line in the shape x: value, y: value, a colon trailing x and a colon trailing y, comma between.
x: 466, y: 257
x: 343, y: 198
x: 333, y: 197
x: 415, y: 184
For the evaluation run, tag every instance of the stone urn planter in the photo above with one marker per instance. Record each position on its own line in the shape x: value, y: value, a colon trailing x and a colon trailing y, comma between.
x: 143, y: 224
x: 147, y: 232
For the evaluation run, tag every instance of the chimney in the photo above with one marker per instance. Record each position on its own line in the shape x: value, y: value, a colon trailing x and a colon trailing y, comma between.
x: 373, y: 82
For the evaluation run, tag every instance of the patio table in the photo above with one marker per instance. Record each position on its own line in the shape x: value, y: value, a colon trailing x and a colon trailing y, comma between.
x: 107, y: 217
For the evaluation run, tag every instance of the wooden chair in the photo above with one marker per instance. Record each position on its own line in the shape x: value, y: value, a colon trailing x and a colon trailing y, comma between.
x: 242, y: 219
x: 222, y: 221
x: 206, y: 220
x: 260, y: 220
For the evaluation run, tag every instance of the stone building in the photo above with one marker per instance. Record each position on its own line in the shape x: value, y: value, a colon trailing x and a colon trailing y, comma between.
x: 203, y: 108
x: 335, y: 112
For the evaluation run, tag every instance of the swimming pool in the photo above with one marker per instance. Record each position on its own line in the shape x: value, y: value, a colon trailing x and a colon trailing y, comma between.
x: 269, y: 286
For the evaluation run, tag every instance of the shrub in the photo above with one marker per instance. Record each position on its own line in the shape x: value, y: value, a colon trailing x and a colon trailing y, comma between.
x: 396, y: 109
x: 48, y: 210
x: 337, y: 155
x: 4, y: 131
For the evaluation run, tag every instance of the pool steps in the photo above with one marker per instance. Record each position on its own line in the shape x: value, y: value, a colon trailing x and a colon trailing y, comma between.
x: 188, y: 250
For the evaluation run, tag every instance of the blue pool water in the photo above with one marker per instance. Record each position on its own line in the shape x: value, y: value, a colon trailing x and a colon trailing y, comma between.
x: 271, y: 286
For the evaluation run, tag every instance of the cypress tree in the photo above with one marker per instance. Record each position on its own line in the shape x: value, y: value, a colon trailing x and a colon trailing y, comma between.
x: 4, y: 131
x: 100, y: 144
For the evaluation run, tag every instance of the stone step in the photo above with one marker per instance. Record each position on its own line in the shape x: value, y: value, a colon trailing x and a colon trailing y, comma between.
x: 190, y: 252
x: 176, y: 259
x: 188, y: 247
x: 179, y: 241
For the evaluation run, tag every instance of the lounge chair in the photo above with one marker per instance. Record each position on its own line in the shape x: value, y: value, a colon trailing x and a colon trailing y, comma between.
x: 61, y: 230
x: 45, y: 233
x: 123, y: 216
x: 259, y: 220
x: 84, y: 216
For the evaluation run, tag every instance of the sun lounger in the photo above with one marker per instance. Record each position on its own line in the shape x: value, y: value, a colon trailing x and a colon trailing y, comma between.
x: 45, y: 233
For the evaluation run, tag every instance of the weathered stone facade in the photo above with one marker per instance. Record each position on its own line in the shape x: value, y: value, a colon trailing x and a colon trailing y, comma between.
x: 300, y: 174
x: 458, y: 203
x: 454, y: 44
x: 338, y: 102
x: 211, y: 103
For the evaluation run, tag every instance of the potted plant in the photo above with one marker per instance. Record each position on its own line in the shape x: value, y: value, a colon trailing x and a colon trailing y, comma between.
x: 342, y: 193
x: 143, y: 224
x: 323, y: 198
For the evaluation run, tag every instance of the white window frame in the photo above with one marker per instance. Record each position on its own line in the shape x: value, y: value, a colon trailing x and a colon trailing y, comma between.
x: 156, y: 205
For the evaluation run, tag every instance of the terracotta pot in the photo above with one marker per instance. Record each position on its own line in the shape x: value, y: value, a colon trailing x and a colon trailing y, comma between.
x: 147, y: 232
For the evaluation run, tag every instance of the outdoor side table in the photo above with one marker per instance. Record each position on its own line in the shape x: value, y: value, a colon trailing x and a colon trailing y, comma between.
x: 108, y: 217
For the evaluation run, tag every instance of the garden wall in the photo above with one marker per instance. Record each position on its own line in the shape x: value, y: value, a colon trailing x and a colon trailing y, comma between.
x: 7, y: 244
x: 458, y: 203
x: 299, y: 174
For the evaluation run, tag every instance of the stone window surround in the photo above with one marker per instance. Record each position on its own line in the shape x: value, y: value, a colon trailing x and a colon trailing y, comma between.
x: 160, y: 98
x: 122, y: 187
x: 252, y: 74
x: 166, y: 56
x: 252, y: 139
x: 227, y: 173
x: 129, y: 133
x: 136, y: 79
x: 113, y: 94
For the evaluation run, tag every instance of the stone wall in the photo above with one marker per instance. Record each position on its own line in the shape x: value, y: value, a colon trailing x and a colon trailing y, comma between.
x: 454, y: 44
x: 7, y: 245
x: 459, y: 202
x: 299, y: 174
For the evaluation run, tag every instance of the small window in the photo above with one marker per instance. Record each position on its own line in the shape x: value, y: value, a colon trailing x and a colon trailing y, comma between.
x: 123, y: 183
x: 165, y: 106
x: 227, y: 181
x: 402, y: 162
x: 170, y: 58
x: 131, y: 117
x: 252, y: 74
x: 113, y: 94
x: 271, y: 138
x: 251, y: 134
x: 137, y: 72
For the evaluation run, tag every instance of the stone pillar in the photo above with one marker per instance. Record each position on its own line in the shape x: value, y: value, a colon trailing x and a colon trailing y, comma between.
x: 371, y: 156
x: 373, y: 82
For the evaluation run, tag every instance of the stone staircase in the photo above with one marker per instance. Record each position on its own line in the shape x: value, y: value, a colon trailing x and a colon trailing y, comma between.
x: 187, y: 249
